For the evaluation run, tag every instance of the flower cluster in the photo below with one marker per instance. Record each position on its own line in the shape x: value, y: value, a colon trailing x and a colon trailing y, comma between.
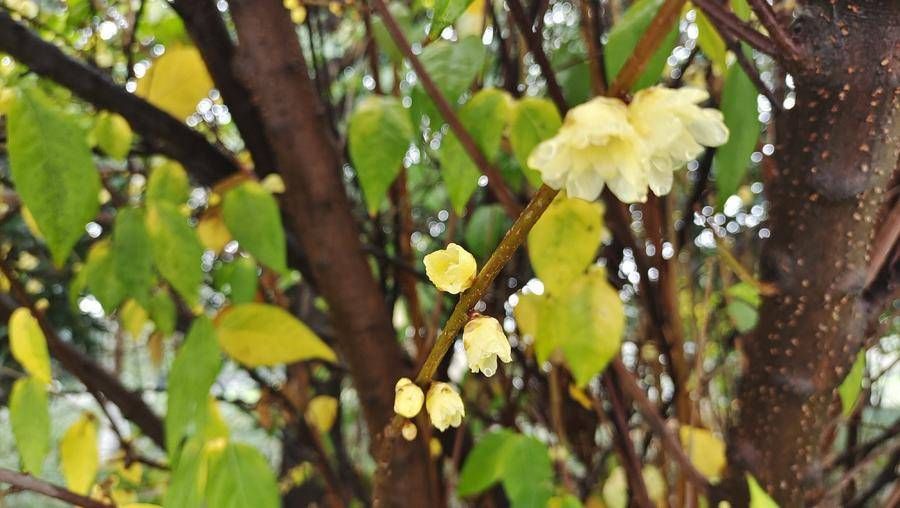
x: 628, y: 147
x: 453, y: 270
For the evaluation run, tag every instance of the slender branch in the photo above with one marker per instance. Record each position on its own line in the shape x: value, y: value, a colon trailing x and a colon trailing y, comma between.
x: 724, y: 19
x: 630, y: 461
x: 536, y: 47
x: 766, y: 16
x: 884, y: 245
x: 160, y: 131
x: 495, y: 179
x: 30, y: 483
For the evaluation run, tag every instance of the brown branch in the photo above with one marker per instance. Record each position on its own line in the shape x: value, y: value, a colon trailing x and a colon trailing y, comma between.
x: 624, y: 445
x: 536, y: 47
x: 93, y: 375
x: 884, y: 246
x: 724, y: 19
x: 782, y: 39
x: 496, y: 183
x: 30, y: 483
x: 160, y: 131
x: 208, y: 31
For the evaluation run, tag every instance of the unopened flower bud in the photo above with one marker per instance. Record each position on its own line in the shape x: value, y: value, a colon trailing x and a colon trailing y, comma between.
x: 408, y: 398
x: 409, y: 431
x: 452, y: 269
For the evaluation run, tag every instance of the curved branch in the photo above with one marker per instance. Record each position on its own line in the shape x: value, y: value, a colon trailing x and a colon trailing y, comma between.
x: 30, y: 483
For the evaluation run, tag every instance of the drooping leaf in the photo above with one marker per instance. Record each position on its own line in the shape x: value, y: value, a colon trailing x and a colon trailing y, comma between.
x: 162, y: 312
x: 705, y: 449
x: 453, y: 65
x: 133, y: 259
x: 168, y: 182
x: 258, y: 334
x: 584, y: 322
x: 564, y: 241
x: 79, y: 455
x: 710, y: 41
x: 193, y: 372
x: 527, y: 313
x: 188, y: 480
x: 625, y: 35
x: 253, y: 217
x: 445, y: 13
x: 485, y: 230
x: 739, y: 108
x: 240, y: 477
x: 53, y: 171
x: 500, y: 456
x: 113, y: 134
x: 533, y: 120
x: 176, y: 81
x: 851, y: 386
x: 212, y: 231
x: 133, y: 318
x: 176, y: 250
x: 29, y: 417
x: 459, y: 172
x: 759, y: 498
x: 380, y: 133
x: 101, y: 277
x: 383, y: 38
x: 238, y: 280
x: 29, y: 345
x: 485, y: 464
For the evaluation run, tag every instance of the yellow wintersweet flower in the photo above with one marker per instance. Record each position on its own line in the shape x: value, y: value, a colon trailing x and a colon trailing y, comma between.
x: 674, y: 129
x: 445, y: 406
x: 485, y: 342
x: 408, y: 398
x: 452, y: 269
x: 595, y: 146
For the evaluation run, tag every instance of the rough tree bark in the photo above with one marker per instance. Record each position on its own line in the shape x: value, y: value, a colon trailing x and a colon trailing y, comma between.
x: 271, y: 64
x: 835, y: 155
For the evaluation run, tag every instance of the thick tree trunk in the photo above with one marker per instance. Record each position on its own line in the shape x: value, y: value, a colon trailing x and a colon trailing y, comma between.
x: 270, y: 63
x: 836, y: 152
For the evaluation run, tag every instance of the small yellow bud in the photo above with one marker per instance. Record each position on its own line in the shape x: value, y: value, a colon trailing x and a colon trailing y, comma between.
x: 408, y: 398
x: 452, y: 269
x: 435, y: 448
x: 445, y: 406
x: 485, y: 342
x: 409, y: 431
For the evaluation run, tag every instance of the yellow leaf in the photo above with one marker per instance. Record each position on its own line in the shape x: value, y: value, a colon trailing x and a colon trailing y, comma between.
x: 526, y: 313
x: 176, y: 81
x: 112, y: 134
x: 214, y: 426
x: 321, y: 412
x: 28, y: 344
x: 273, y: 183
x: 131, y: 474
x: 706, y: 450
x: 257, y: 334
x: 213, y: 233
x: 79, y: 456
x: 133, y: 318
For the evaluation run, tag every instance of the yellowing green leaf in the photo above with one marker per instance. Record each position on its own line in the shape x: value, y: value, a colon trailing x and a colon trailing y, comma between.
x: 258, y: 334
x: 527, y: 313
x: 168, y: 182
x: 29, y: 417
x: 585, y: 322
x: 213, y: 232
x: 193, y: 372
x: 565, y: 240
x: 445, y: 13
x: 113, y: 134
x: 253, y: 218
x: 133, y: 318
x: 240, y: 477
x: 188, y: 481
x: 759, y: 498
x: 53, y: 170
x: 29, y: 345
x: 533, y: 120
x: 79, y: 455
x: 100, y: 276
x: 162, y: 312
x: 705, y: 449
x: 321, y: 412
x: 851, y: 386
x: 379, y: 134
x: 176, y: 81
x: 176, y: 250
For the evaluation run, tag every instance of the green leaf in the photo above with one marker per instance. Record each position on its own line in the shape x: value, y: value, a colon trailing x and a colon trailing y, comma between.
x: 168, y: 183
x: 584, y: 322
x: 188, y: 480
x: 257, y: 334
x: 485, y: 464
x: 484, y: 117
x: 176, y: 250
x: 383, y: 38
x: 53, y: 171
x: 625, y: 35
x: 533, y: 120
x: 739, y: 108
x: 238, y: 280
x: 380, y: 133
x: 113, y: 134
x: 29, y: 416
x: 759, y: 498
x: 453, y: 65
x: 710, y: 41
x: 240, y: 477
x: 253, y: 217
x: 851, y: 386
x: 485, y: 230
x: 28, y: 344
x: 564, y: 241
x: 521, y: 463
x: 162, y: 312
x: 445, y: 14
x: 133, y: 260
x: 101, y: 277
x: 193, y: 372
